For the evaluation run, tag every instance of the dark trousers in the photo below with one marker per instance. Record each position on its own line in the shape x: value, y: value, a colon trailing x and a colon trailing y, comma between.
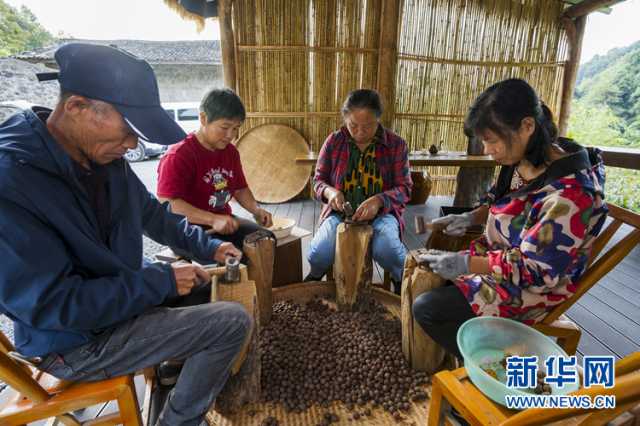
x: 440, y: 312
x: 208, y: 337
x: 246, y: 227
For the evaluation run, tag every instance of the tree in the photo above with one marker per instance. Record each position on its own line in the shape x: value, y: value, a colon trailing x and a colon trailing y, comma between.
x: 611, y: 86
x: 594, y: 125
x: 20, y: 30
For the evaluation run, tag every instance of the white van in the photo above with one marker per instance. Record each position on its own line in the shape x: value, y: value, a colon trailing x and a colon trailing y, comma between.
x: 186, y: 114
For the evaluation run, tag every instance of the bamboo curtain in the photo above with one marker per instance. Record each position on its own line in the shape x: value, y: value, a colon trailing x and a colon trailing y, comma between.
x: 297, y: 59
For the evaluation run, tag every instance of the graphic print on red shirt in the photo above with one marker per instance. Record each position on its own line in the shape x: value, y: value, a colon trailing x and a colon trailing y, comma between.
x: 205, y: 179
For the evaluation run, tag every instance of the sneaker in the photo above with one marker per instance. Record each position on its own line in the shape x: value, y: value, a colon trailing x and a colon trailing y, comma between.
x: 168, y: 372
x: 310, y: 278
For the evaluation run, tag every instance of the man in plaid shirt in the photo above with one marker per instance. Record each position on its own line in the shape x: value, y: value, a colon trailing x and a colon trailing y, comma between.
x: 367, y: 165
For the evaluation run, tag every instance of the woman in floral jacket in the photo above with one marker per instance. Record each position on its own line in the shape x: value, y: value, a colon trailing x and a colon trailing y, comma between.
x: 541, y: 219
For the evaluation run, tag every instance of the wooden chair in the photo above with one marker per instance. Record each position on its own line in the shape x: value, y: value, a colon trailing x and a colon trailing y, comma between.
x: 41, y: 396
x: 556, y: 324
x: 457, y: 390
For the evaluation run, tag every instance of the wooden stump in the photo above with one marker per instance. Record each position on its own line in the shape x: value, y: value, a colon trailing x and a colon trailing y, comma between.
x: 244, y: 384
x: 420, y: 351
x: 260, y: 249
x: 353, y: 267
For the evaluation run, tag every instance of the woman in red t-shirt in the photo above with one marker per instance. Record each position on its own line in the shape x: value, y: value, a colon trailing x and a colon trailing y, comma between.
x: 200, y: 175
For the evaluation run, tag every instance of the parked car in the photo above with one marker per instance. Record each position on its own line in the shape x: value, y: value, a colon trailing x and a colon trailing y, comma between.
x: 184, y: 113
x: 144, y: 150
x: 8, y: 108
x: 16, y: 104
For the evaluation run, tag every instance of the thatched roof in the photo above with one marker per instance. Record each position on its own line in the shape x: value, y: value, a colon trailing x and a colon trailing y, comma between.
x: 154, y: 52
x: 194, y: 10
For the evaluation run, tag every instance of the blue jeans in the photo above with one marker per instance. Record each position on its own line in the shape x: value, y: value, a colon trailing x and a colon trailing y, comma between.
x: 386, y: 246
x: 207, y: 337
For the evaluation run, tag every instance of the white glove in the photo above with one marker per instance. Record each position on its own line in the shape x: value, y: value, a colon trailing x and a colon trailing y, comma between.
x: 456, y: 224
x: 448, y: 264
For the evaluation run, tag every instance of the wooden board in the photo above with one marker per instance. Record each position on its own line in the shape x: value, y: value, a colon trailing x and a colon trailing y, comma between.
x: 420, y: 351
x: 352, y: 267
x: 420, y: 160
x: 268, y: 154
x: 302, y: 293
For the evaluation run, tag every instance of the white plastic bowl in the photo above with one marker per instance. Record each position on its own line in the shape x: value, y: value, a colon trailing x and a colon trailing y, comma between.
x: 282, y: 227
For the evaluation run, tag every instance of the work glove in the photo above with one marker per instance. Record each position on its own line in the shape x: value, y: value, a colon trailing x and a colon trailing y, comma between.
x: 456, y: 224
x: 448, y: 264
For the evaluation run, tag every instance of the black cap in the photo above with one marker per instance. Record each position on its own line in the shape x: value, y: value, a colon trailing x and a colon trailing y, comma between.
x: 117, y: 77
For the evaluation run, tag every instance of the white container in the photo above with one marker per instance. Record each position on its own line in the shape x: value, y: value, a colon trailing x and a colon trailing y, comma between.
x: 282, y: 227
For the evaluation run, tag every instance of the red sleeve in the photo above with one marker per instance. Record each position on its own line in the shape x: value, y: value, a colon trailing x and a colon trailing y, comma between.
x: 175, y: 175
x: 240, y: 180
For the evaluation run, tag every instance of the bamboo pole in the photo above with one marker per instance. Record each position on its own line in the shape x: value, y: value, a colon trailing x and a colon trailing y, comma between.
x: 575, y: 33
x: 306, y: 49
x: 387, y: 58
x: 419, y: 58
x: 227, y: 43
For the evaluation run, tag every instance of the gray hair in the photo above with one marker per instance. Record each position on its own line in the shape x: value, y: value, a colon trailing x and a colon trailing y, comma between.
x: 97, y: 106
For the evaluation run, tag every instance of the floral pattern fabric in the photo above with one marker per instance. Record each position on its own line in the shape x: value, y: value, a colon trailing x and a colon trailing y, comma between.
x: 538, y: 241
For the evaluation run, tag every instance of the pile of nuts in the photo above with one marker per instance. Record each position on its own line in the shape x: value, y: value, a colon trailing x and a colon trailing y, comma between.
x: 313, y: 354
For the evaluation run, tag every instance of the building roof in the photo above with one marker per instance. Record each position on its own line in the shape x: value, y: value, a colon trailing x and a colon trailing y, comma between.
x: 154, y: 52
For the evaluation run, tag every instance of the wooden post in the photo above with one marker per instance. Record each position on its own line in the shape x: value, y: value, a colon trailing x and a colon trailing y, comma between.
x: 388, y: 58
x: 420, y: 351
x: 472, y: 182
x: 585, y: 7
x: 260, y: 248
x: 244, y: 384
x: 353, y: 268
x: 575, y: 33
x: 227, y: 43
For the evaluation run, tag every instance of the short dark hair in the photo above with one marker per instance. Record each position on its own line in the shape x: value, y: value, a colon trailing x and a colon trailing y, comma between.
x: 363, y: 98
x: 222, y: 103
x: 501, y: 108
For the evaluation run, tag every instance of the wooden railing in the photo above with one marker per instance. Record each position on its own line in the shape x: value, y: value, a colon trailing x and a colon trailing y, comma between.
x: 626, y: 158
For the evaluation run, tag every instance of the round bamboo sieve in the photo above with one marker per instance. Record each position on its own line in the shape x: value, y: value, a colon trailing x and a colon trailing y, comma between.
x: 268, y: 154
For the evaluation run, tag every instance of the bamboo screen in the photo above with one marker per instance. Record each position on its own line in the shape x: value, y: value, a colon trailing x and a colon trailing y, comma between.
x: 297, y: 59
x: 451, y: 50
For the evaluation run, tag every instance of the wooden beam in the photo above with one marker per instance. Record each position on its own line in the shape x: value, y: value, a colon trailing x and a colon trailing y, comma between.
x: 586, y: 7
x: 627, y: 158
x: 227, y: 43
x: 575, y: 33
x: 387, y: 58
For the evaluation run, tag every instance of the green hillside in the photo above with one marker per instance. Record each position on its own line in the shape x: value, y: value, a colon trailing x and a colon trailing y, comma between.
x: 606, y: 106
x: 20, y: 30
x: 606, y: 112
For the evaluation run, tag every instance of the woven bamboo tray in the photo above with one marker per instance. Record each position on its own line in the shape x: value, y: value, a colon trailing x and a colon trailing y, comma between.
x: 268, y: 154
x: 301, y: 293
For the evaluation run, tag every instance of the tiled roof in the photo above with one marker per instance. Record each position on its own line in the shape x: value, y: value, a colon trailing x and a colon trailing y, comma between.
x: 154, y: 52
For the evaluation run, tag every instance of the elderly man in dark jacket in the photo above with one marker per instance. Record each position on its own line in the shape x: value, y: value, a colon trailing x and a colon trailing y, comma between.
x: 72, y: 213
